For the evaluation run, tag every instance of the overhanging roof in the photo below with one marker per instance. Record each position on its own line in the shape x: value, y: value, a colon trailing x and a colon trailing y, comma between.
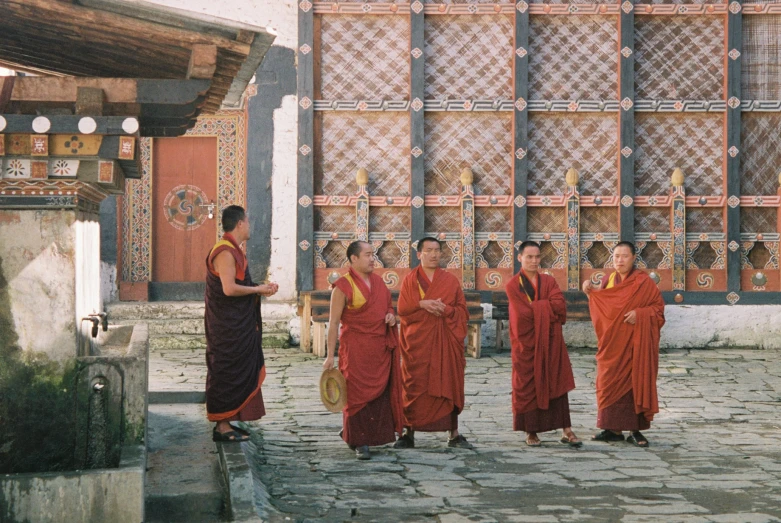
x: 131, y: 39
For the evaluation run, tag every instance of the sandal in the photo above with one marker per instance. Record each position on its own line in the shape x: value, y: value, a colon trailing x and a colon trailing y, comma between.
x: 228, y: 437
x: 607, y: 435
x: 572, y: 440
x: 537, y: 443
x: 239, y: 429
x: 406, y: 441
x: 638, y: 440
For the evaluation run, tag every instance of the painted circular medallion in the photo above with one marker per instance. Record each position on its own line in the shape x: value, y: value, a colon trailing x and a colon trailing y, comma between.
x: 185, y: 207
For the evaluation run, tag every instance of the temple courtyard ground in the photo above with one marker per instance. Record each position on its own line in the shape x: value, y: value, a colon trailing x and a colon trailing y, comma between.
x: 715, y: 450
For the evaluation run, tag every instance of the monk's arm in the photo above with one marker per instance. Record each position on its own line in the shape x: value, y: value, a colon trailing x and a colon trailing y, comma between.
x: 457, y: 315
x: 225, y: 265
x: 338, y: 302
x: 558, y: 304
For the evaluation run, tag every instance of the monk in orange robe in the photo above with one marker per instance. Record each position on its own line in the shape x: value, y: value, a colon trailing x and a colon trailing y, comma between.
x: 434, y: 320
x: 368, y: 355
x: 234, y: 353
x: 542, y: 373
x: 628, y: 315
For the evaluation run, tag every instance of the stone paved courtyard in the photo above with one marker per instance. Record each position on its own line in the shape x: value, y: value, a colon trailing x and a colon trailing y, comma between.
x: 715, y: 452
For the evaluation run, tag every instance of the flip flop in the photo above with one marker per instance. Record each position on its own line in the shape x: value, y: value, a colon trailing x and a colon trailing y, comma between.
x: 638, y: 440
x: 228, y: 437
x: 568, y: 441
x: 239, y: 430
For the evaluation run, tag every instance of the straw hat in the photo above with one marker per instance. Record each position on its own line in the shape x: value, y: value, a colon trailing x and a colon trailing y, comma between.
x: 333, y: 390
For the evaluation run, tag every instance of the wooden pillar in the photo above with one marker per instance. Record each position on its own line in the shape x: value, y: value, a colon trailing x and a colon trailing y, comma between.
x: 732, y: 58
x: 520, y: 125
x: 362, y: 206
x: 678, y: 227
x: 573, y: 231
x: 626, y: 120
x: 417, y: 129
x: 467, y: 230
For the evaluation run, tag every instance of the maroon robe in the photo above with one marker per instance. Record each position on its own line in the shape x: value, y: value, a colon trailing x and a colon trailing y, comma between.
x: 542, y: 372
x: 432, y: 350
x: 234, y: 352
x: 369, y: 361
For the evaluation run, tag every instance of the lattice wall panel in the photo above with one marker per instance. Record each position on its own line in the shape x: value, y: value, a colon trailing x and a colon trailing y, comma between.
x: 335, y: 219
x: 652, y: 255
x: 679, y: 57
x: 442, y: 219
x: 704, y: 220
x: 493, y: 219
x: 391, y: 255
x: 466, y: 1
x: 760, y: 153
x: 704, y: 257
x: 652, y: 219
x: 573, y: 58
x: 692, y: 142
x: 364, y: 57
x: 761, y: 66
x: 599, y: 219
x: 469, y: 57
x: 599, y: 256
x: 552, y: 255
x: 586, y: 142
x: 389, y: 219
x: 335, y: 255
x: 378, y: 142
x: 546, y: 219
x: 494, y: 255
x: 758, y: 219
x: 480, y: 141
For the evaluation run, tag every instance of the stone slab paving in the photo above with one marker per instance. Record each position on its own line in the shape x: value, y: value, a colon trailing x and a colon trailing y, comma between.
x: 715, y: 454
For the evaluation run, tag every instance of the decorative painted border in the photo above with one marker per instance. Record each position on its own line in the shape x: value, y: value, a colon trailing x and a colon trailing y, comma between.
x: 573, y: 238
x: 678, y: 211
x: 468, y: 237
x: 229, y: 127
x: 549, y: 106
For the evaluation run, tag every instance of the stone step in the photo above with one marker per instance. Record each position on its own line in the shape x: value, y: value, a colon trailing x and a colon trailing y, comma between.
x: 192, y: 325
x: 175, y: 342
x: 155, y: 310
x: 183, y: 480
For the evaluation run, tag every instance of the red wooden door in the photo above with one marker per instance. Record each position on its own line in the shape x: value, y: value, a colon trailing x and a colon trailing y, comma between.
x: 184, y: 183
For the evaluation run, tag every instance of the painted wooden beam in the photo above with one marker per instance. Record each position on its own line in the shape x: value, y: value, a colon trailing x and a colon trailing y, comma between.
x: 732, y: 153
x: 305, y: 235
x: 626, y: 121
x: 417, y: 128
x: 520, y: 126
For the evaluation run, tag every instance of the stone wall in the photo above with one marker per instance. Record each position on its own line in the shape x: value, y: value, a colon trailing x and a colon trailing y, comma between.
x: 49, y: 278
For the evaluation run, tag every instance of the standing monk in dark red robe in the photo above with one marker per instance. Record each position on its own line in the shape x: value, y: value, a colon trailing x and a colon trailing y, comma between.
x: 434, y: 320
x: 542, y: 373
x: 234, y: 354
x: 628, y: 315
x: 368, y: 355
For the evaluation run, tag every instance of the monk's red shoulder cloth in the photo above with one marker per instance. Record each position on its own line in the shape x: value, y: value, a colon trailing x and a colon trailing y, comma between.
x: 368, y: 358
x: 536, y: 318
x: 432, y: 347
x: 628, y: 355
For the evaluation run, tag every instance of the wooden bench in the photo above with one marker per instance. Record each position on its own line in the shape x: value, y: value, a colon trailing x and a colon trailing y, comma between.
x: 314, y: 309
x: 577, y: 310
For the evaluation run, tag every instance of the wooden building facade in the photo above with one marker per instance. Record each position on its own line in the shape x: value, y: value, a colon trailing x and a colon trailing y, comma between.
x: 576, y: 125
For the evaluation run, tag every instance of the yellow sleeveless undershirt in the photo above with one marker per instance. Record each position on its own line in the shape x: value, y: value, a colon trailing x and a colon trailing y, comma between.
x: 359, y: 299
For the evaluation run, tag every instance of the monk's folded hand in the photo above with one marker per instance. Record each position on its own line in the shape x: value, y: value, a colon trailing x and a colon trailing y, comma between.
x: 390, y: 319
x: 328, y: 364
x: 587, y: 287
x: 630, y: 317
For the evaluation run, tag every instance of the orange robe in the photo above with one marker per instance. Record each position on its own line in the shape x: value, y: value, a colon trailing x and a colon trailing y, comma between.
x: 542, y: 372
x: 432, y: 351
x: 627, y: 355
x: 369, y: 361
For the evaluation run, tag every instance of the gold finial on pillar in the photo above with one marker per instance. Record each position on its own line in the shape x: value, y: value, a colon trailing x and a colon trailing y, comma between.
x: 362, y: 177
x: 572, y: 177
x: 677, y: 178
x: 466, y: 176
